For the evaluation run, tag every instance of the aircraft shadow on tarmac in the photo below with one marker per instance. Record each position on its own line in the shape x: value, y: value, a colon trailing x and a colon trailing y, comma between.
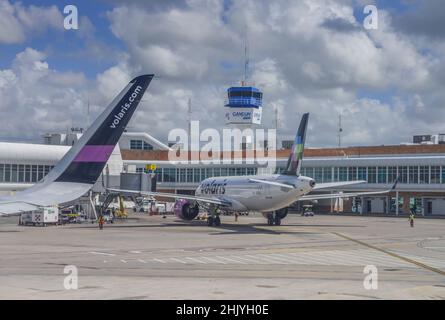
x: 228, y: 228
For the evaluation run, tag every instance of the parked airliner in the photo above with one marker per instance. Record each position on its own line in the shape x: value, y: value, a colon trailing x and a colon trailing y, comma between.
x: 269, y: 194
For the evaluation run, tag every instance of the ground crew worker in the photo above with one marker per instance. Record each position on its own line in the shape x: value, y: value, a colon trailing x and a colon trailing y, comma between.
x: 411, y: 216
x: 236, y: 216
x: 411, y: 220
x: 101, y: 222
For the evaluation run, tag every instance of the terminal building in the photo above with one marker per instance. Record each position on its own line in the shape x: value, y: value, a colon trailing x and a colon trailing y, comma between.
x: 420, y: 168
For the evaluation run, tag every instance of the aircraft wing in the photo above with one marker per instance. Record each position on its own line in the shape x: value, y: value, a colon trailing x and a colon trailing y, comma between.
x: 273, y: 183
x: 15, y: 208
x: 345, y: 195
x: 319, y: 186
x: 78, y: 170
x: 215, y: 200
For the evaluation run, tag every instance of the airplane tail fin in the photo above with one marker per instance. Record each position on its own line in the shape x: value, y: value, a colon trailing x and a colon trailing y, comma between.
x: 296, y: 156
x: 85, y: 161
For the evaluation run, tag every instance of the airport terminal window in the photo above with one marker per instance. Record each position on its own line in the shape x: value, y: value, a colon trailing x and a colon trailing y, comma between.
x: 136, y: 144
x: 251, y: 171
x: 424, y: 176
x: 443, y: 174
x: 382, y: 175
x: 327, y: 174
x: 147, y: 146
x: 2, y: 172
x: 361, y: 173
x: 392, y: 174
x: 372, y: 174
x: 27, y: 173
x: 7, y: 173
x: 435, y: 174
x: 232, y: 171
x: 413, y: 175
x: 335, y: 174
x: 343, y: 173
x: 181, y: 175
x: 33, y: 173
x: 403, y: 174
x: 209, y: 172
x: 158, y: 175
x: 140, y: 145
x: 169, y: 175
x: 189, y: 175
x: 318, y: 174
x: 196, y: 175
x: 216, y: 172
x: 14, y: 175
x: 41, y: 171
x: 224, y: 172
x: 352, y: 173
x: 21, y: 173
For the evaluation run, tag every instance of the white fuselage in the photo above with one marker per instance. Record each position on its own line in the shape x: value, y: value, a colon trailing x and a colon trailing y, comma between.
x: 246, y: 195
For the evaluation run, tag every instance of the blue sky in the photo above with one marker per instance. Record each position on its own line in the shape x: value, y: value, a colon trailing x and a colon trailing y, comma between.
x: 62, y: 47
x: 326, y: 65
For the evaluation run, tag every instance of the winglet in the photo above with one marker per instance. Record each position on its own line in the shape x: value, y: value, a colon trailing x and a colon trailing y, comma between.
x: 84, y: 162
x: 296, y: 156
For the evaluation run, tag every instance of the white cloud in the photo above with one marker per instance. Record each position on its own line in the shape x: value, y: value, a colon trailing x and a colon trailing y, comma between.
x: 18, y: 21
x: 36, y: 99
x: 310, y: 55
x: 302, y: 64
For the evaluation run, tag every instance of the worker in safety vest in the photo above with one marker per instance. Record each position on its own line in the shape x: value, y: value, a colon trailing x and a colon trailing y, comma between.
x: 411, y: 216
x: 101, y: 222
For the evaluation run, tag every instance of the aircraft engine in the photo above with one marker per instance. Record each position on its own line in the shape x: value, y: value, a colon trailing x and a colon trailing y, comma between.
x: 282, y: 213
x: 186, y: 210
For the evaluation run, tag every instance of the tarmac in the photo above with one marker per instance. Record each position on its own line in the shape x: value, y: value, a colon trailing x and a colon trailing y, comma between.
x: 148, y: 257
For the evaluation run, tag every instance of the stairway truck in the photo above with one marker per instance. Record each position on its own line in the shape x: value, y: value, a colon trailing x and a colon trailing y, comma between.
x: 43, y: 216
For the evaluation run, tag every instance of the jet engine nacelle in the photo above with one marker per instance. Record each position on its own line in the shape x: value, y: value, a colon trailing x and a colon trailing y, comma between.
x: 282, y: 213
x: 186, y: 210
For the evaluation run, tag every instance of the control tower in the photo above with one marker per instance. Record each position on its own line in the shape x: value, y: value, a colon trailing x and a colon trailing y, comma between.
x: 244, y: 106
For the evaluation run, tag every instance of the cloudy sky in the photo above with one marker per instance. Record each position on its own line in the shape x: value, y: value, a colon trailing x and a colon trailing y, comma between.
x: 307, y: 56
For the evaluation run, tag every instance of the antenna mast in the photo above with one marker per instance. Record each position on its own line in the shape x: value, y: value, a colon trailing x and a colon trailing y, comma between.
x: 189, y: 119
x: 340, y: 130
x: 246, y: 58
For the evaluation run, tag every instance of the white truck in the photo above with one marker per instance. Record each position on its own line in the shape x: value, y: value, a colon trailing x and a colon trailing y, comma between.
x: 41, y: 217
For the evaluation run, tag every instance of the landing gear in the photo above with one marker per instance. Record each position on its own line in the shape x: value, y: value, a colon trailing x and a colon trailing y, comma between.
x: 277, y: 220
x: 273, y: 219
